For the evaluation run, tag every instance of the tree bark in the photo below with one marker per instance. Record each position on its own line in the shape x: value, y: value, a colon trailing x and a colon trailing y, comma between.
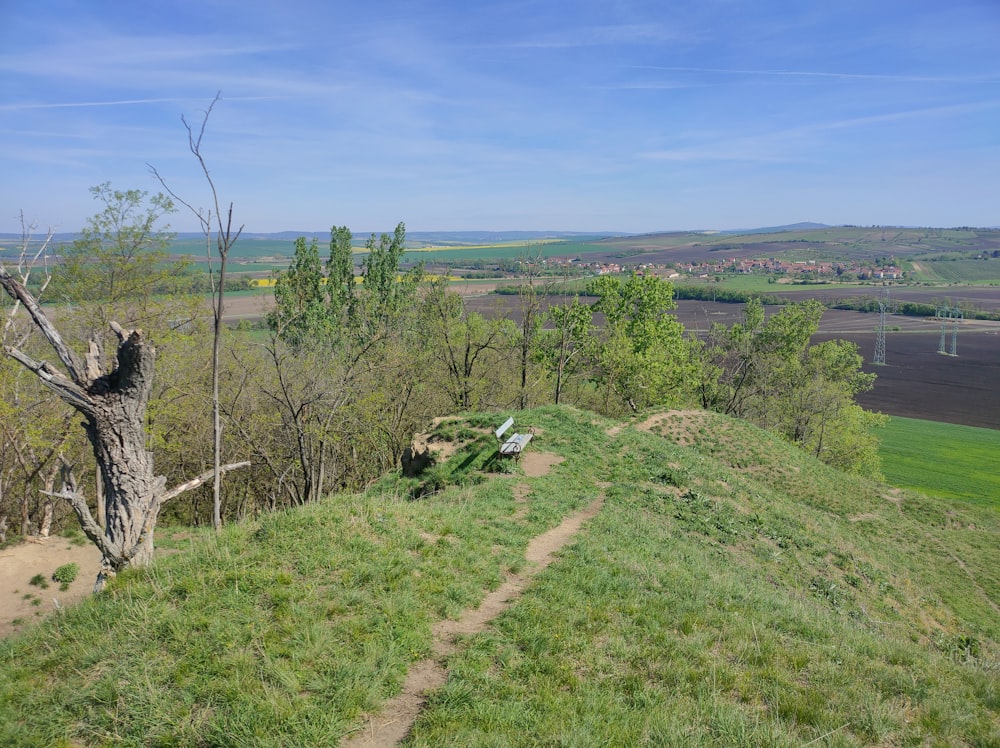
x: 45, y: 528
x: 114, y: 408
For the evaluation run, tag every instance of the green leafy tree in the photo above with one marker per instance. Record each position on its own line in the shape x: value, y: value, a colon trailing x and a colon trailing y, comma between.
x: 564, y: 346
x: 766, y: 370
x: 119, y: 266
x: 387, y: 292
x: 467, y: 348
x: 336, y: 312
x: 642, y: 356
x: 340, y: 286
x: 819, y: 412
x: 339, y: 372
x: 301, y: 313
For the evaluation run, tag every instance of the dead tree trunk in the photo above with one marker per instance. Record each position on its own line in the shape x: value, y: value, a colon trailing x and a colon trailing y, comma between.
x: 114, y: 409
x: 49, y: 480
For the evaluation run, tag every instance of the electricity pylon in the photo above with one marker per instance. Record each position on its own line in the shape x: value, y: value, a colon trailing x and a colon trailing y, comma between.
x: 954, y: 314
x: 883, y: 305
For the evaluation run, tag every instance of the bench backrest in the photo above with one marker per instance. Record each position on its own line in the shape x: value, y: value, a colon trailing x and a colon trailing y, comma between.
x: 503, y: 429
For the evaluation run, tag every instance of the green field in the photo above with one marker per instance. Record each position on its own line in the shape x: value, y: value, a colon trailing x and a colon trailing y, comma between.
x: 977, y: 272
x: 942, y: 459
x: 243, y: 249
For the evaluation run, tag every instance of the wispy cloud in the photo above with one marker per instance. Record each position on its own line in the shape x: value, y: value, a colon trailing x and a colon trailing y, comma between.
x: 800, y: 143
x: 888, y: 77
x: 82, y: 104
x: 593, y: 36
x: 117, y: 51
x: 906, y: 114
x: 29, y: 105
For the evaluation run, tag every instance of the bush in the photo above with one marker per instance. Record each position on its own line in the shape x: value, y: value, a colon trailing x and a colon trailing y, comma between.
x: 66, y: 573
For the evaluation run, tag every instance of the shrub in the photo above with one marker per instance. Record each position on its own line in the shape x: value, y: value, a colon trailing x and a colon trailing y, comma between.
x: 66, y: 573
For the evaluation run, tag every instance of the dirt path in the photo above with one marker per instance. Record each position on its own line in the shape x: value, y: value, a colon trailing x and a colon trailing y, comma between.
x: 394, y: 722
x: 26, y: 603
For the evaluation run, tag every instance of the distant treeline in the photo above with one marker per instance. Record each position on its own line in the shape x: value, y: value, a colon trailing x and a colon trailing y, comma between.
x: 909, y: 309
x: 734, y: 296
x: 855, y: 303
x: 176, y: 285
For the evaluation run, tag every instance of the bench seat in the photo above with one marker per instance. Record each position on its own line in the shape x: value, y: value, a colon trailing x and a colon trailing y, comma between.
x: 515, y: 444
x: 511, y: 446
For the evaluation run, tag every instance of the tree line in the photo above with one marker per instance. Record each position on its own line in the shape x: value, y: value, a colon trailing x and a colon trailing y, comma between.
x: 326, y: 395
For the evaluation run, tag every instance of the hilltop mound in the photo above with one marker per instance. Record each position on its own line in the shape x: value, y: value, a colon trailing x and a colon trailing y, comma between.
x: 730, y: 590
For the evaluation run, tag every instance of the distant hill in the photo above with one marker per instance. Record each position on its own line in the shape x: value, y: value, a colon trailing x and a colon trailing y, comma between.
x: 445, y: 237
x: 778, y: 229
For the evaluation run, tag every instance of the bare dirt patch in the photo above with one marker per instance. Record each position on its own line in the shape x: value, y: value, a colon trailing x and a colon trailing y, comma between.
x: 678, y: 425
x: 18, y: 564
x: 429, y: 448
x: 536, y: 464
x: 392, y: 725
x: 441, y: 449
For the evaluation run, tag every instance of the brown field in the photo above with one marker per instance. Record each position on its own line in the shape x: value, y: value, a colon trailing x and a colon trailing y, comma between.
x: 916, y: 382
x: 968, y: 297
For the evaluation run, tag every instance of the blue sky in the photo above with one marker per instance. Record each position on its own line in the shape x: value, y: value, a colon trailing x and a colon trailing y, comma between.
x: 613, y: 115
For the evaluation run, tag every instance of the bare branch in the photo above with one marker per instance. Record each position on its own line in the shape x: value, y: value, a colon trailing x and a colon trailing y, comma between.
x: 18, y: 292
x: 119, y: 331
x: 225, y: 236
x: 26, y: 262
x: 87, y: 522
x: 67, y: 390
x: 93, y: 359
x: 225, y: 239
x: 195, y: 482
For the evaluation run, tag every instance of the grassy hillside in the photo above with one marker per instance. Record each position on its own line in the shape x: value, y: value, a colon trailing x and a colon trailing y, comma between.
x: 732, y: 591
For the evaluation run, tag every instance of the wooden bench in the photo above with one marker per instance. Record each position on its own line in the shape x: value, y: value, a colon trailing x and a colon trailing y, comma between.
x: 511, y: 446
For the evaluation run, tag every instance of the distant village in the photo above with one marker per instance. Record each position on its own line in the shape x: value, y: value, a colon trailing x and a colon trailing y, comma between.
x: 804, y: 270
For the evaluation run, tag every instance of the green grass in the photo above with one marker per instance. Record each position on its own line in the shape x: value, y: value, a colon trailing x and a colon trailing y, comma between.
x: 732, y: 591
x: 243, y: 249
x: 974, y: 272
x: 942, y: 459
x: 737, y: 593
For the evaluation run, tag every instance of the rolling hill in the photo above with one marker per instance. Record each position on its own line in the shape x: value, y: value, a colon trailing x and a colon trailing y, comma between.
x: 725, y: 589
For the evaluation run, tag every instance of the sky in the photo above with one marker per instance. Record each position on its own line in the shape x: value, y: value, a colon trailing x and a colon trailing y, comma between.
x: 613, y: 115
